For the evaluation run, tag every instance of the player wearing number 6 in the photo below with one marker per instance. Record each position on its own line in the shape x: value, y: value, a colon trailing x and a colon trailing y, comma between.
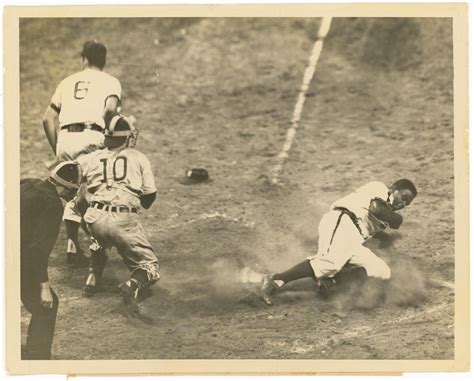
x: 74, y: 122
x: 121, y: 182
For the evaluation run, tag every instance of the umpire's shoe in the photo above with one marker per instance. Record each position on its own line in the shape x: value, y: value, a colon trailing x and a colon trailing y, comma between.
x: 89, y: 291
x: 128, y: 297
x: 268, y: 286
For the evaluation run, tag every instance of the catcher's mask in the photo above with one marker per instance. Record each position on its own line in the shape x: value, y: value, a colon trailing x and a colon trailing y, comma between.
x: 121, y: 127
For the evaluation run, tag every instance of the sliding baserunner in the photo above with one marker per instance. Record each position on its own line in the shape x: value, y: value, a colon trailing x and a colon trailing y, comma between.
x: 351, y: 221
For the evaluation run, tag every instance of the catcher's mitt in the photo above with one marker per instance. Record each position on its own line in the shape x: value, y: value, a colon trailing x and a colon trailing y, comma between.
x: 382, y: 211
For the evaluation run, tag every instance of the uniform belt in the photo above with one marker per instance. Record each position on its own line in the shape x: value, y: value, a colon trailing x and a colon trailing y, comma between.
x: 114, y: 209
x: 351, y: 215
x: 79, y: 127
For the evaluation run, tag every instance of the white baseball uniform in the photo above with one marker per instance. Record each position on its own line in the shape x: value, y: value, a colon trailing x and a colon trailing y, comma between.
x: 117, y: 178
x: 342, y: 234
x: 80, y: 98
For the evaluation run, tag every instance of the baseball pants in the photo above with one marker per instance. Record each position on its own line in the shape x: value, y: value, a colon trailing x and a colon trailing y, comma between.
x: 124, y: 231
x: 340, y: 243
x: 76, y: 208
x: 41, y: 328
x: 70, y: 146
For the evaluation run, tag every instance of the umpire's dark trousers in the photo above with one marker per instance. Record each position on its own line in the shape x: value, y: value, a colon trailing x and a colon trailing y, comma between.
x: 43, y: 320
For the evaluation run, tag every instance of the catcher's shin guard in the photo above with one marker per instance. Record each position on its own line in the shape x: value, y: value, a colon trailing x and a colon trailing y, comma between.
x: 146, y: 275
x: 96, y: 269
x: 97, y: 262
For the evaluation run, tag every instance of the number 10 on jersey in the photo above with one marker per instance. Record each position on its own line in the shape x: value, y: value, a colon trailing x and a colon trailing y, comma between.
x: 119, y: 169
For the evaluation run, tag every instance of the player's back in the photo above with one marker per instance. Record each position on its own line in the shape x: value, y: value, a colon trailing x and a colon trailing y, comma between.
x: 118, y: 176
x: 80, y: 98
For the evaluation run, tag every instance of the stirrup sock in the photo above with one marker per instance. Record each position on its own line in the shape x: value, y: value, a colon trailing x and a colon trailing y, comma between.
x: 71, y: 248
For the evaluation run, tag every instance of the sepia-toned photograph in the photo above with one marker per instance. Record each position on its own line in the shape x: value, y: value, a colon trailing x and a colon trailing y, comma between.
x: 237, y: 188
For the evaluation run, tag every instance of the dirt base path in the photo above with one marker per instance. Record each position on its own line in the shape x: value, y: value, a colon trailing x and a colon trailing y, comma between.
x: 220, y: 94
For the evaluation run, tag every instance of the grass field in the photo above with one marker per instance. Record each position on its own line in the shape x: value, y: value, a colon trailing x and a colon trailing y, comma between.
x: 220, y: 93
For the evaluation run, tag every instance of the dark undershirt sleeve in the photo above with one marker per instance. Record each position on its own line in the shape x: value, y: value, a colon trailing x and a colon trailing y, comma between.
x: 43, y: 240
x: 55, y: 108
x: 147, y: 200
x: 108, y: 115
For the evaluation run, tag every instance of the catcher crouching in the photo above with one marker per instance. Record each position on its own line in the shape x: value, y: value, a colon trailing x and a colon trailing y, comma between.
x: 120, y: 182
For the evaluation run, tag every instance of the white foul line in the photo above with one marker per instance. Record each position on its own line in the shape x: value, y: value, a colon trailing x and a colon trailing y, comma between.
x: 441, y: 283
x: 308, y: 76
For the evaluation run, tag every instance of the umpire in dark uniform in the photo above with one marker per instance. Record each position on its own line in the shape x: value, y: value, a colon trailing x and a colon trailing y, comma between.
x: 41, y: 213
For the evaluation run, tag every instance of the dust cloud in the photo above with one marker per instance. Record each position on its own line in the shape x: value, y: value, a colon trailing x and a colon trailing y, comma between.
x: 270, y: 250
x: 406, y: 287
x: 238, y: 277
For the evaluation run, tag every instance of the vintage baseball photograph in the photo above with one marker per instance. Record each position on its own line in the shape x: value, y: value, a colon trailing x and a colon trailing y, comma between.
x: 235, y: 187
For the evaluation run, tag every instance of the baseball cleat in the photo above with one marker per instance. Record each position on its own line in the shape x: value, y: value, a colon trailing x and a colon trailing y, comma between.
x: 268, y: 286
x: 89, y: 290
x: 128, y: 297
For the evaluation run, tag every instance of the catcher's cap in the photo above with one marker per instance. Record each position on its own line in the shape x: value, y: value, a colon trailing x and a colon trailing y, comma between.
x: 120, y: 126
x: 68, y: 174
x: 95, y: 52
x: 195, y: 175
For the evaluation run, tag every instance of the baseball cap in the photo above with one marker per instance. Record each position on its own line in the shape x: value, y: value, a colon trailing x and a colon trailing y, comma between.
x: 95, y: 52
x: 68, y: 174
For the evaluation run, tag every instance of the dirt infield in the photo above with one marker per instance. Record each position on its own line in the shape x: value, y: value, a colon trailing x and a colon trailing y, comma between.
x: 219, y: 93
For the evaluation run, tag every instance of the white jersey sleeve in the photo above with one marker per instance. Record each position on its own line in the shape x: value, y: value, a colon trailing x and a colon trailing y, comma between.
x: 114, y: 88
x: 148, y: 185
